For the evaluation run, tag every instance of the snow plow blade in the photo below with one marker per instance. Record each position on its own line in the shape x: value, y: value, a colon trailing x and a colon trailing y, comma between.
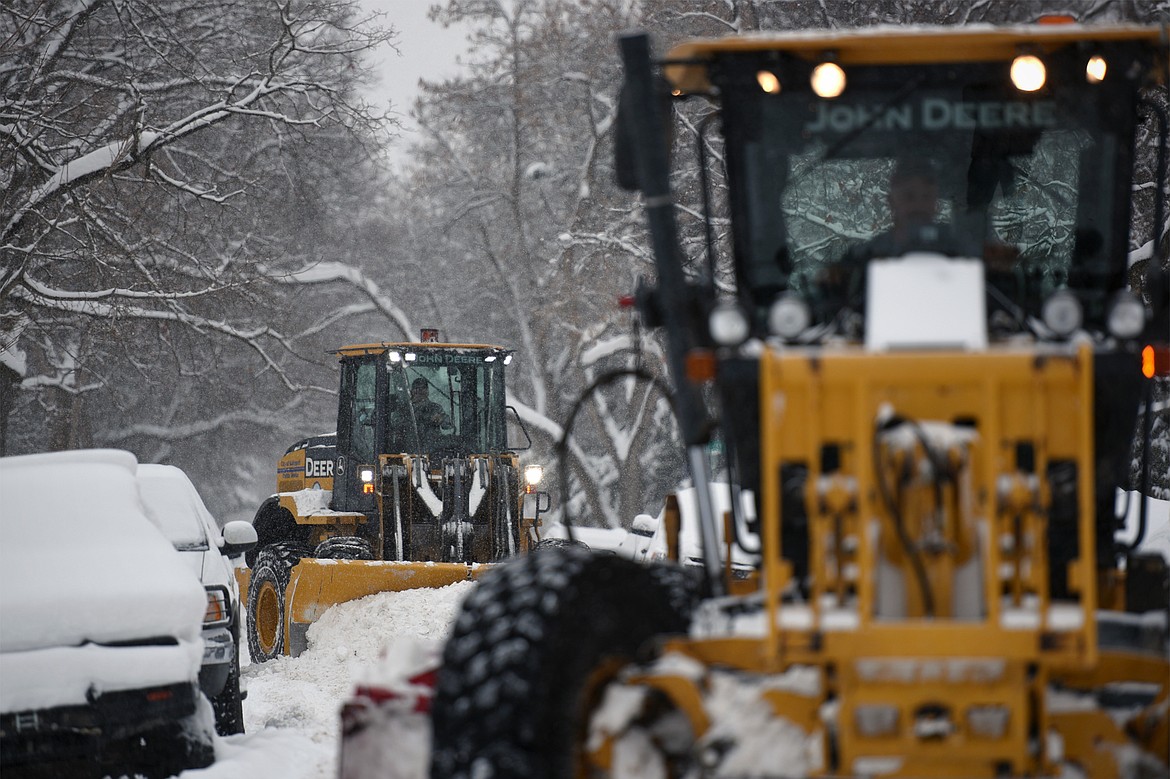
x: 317, y: 584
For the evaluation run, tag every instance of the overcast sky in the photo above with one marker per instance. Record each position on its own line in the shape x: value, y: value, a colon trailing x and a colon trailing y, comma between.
x: 425, y: 49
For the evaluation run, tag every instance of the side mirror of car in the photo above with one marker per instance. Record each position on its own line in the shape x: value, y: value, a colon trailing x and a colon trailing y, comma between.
x: 238, y: 537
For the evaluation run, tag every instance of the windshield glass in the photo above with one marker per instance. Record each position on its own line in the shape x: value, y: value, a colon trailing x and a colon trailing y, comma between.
x: 172, y: 504
x: 447, y: 399
x: 948, y: 159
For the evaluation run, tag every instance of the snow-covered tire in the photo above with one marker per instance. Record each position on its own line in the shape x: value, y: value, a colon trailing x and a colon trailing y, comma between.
x: 266, y: 605
x: 344, y: 548
x: 553, y: 543
x: 229, y: 704
x: 510, y: 695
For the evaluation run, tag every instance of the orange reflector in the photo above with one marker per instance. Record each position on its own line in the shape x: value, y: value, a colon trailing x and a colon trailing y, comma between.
x: 700, y: 365
x: 1155, y: 361
x: 368, y: 488
x: 1056, y: 19
x: 154, y: 696
x: 215, y: 609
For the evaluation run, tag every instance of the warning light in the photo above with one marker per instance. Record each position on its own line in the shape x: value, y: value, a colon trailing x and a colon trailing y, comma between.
x: 367, y: 489
x: 1156, y: 360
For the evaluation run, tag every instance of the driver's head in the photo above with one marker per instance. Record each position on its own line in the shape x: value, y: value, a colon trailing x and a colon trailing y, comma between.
x: 419, y: 390
x: 913, y: 195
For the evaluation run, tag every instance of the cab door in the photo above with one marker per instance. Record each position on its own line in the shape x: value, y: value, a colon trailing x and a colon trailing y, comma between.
x: 359, y: 427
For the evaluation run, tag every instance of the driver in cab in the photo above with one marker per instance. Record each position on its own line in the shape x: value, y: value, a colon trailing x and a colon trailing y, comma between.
x: 428, y: 414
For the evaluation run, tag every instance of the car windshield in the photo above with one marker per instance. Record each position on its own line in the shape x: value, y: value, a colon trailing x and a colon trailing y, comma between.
x: 172, y: 505
x: 952, y: 159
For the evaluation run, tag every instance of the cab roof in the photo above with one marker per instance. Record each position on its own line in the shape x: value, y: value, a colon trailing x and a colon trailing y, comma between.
x: 686, y: 64
x: 357, y: 350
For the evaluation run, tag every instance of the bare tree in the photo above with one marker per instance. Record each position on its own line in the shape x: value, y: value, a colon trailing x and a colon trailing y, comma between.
x: 165, y: 172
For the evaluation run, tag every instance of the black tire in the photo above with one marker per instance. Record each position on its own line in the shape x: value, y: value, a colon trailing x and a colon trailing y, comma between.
x: 266, y: 605
x: 508, y: 700
x: 344, y: 548
x: 229, y: 704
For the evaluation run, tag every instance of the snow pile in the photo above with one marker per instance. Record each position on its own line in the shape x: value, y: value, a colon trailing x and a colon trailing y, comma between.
x: 292, y: 712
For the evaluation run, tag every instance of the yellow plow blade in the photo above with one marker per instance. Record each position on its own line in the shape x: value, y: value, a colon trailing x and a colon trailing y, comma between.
x: 317, y: 584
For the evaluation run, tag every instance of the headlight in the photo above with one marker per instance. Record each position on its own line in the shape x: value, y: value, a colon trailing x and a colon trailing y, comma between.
x: 533, y: 474
x: 1095, y: 69
x: 789, y: 316
x: 828, y: 80
x: 728, y: 325
x: 1127, y: 315
x: 366, y: 474
x: 219, y: 610
x: 1028, y: 73
x: 1062, y: 313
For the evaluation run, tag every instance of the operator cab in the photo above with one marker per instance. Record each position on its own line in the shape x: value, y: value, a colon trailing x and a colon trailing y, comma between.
x: 837, y: 157
x: 422, y: 400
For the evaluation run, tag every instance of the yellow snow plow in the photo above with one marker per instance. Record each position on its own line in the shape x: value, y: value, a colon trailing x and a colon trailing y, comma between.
x: 927, y: 377
x: 418, y: 487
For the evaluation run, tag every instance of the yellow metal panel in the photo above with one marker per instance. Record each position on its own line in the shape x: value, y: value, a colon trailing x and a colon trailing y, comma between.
x: 290, y: 472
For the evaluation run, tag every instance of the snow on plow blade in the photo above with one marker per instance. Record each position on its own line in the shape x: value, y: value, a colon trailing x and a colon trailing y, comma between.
x: 317, y: 584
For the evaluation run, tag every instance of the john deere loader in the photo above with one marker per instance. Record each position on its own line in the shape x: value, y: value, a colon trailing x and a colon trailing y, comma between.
x: 417, y: 487
x: 927, y: 374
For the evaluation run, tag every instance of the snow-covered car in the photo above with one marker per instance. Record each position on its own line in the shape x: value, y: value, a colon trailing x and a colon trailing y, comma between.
x: 175, y: 506
x: 101, y: 641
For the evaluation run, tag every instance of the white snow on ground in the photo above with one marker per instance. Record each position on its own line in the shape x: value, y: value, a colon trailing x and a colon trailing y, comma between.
x: 291, y: 714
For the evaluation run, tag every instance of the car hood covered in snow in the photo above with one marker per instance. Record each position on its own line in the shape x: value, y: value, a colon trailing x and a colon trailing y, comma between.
x: 80, y: 562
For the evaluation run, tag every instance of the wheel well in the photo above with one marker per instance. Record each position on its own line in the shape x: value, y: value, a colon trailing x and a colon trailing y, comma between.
x: 274, y: 523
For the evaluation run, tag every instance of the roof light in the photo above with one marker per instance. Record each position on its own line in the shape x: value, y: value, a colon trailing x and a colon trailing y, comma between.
x: 1028, y: 73
x: 533, y: 474
x: 490, y: 358
x: 411, y: 357
x: 1062, y: 313
x: 828, y: 80
x: 508, y: 358
x: 1095, y: 70
x: 393, y: 356
x: 768, y: 82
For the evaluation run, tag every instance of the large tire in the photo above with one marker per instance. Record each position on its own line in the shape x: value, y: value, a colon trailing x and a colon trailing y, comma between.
x: 266, y: 607
x: 229, y: 704
x: 510, y: 696
x: 344, y: 548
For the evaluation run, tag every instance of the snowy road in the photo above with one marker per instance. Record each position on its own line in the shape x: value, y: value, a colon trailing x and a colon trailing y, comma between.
x: 291, y: 712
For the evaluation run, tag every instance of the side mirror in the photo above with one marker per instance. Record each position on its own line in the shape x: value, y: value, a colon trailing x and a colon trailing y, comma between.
x: 626, y: 154
x: 524, y: 430
x: 238, y: 537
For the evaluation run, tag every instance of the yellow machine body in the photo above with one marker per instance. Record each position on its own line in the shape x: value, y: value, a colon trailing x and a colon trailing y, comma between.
x: 919, y: 575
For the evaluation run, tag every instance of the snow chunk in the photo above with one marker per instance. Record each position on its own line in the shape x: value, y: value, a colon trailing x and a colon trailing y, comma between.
x: 311, y: 500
